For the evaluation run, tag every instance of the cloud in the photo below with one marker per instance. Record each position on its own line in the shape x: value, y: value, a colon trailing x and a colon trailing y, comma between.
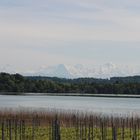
x: 57, y: 31
x: 102, y: 22
x: 66, y: 32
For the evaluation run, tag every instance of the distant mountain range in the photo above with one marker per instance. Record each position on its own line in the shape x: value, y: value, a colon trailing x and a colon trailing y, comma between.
x: 66, y: 71
x: 102, y: 71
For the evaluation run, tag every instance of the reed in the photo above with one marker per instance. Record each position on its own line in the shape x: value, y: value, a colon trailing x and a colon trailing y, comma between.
x: 53, y: 125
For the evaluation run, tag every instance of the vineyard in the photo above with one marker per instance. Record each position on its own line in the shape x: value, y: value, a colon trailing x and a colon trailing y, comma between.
x: 67, y: 126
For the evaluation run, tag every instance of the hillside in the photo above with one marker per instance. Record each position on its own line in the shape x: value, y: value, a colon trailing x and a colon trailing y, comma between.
x: 115, y: 85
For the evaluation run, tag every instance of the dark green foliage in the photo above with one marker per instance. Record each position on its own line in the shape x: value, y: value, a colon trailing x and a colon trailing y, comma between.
x: 117, y: 85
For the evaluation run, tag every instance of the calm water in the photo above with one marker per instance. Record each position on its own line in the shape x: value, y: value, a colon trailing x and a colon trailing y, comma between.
x: 88, y: 104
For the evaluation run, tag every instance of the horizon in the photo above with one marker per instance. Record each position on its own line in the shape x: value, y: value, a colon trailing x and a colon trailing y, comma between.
x: 71, y: 78
x: 104, y: 71
x: 38, y: 34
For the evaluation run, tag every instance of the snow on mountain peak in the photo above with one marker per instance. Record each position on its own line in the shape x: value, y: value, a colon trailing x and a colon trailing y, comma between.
x: 67, y: 71
x: 101, y: 71
x: 55, y: 71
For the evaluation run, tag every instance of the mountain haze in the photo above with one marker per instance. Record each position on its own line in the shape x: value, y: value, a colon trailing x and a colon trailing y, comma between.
x: 98, y: 71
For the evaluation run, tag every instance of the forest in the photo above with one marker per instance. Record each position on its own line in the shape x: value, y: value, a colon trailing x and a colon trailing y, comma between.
x: 37, y: 84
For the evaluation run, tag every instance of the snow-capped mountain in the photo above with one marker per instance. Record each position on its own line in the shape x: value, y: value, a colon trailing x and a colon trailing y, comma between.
x: 66, y: 71
x: 55, y: 71
x: 98, y: 71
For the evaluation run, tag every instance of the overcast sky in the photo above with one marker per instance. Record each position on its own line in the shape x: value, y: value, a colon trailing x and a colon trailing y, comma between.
x: 48, y: 32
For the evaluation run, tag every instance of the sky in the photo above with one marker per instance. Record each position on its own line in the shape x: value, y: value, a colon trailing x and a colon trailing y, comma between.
x: 35, y: 33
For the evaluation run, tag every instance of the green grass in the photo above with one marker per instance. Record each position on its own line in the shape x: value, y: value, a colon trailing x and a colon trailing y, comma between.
x: 42, y: 126
x: 67, y: 133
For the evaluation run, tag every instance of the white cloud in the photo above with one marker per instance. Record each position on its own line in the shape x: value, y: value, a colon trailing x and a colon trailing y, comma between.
x: 30, y: 28
x: 105, y: 24
x: 67, y: 32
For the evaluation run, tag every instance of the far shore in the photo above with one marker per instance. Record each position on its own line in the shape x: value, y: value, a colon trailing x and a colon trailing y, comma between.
x: 72, y: 94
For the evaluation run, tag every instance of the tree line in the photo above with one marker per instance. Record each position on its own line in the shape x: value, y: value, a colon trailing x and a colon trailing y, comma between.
x: 37, y: 84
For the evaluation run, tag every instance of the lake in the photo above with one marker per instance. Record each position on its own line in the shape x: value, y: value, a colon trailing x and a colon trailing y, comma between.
x: 103, y: 105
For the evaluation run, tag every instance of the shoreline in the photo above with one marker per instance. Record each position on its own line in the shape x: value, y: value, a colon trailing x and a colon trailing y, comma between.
x: 71, y: 94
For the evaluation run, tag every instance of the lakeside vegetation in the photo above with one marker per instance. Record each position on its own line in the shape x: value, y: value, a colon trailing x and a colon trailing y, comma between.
x: 117, y: 85
x: 67, y: 126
